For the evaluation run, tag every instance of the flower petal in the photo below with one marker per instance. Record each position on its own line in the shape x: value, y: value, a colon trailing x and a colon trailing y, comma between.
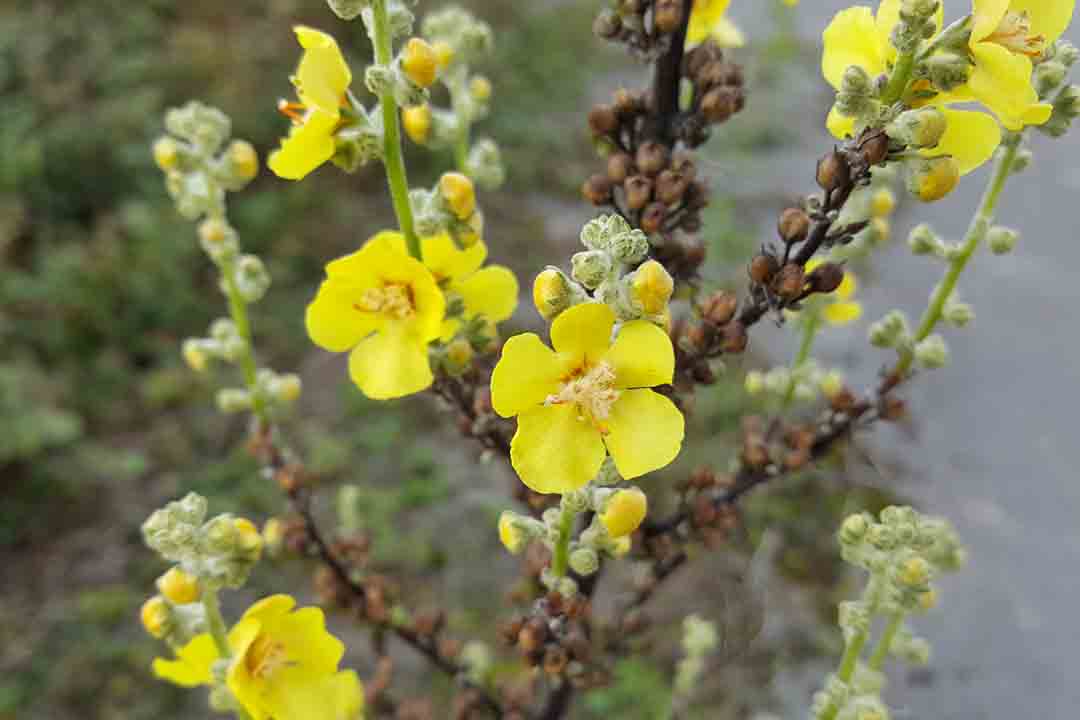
x: 323, y: 75
x: 583, y: 332
x: 333, y: 321
x: 554, y: 451
x: 841, y: 126
x: 525, y: 375
x: 1001, y: 80
x: 491, y: 292
x: 308, y: 146
x: 970, y: 137
x: 308, y: 643
x: 391, y: 363
x: 703, y: 17
x: 1048, y: 18
x: 447, y: 261
x: 851, y: 39
x: 192, y: 664
x: 645, y: 432
x: 847, y: 288
x: 987, y: 16
x: 270, y: 609
x: 842, y: 313
x: 642, y: 356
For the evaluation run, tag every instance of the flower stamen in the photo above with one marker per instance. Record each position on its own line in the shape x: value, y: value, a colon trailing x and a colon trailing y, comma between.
x: 593, y: 393
x: 265, y: 657
x: 391, y: 299
x: 292, y: 110
x: 1014, y: 34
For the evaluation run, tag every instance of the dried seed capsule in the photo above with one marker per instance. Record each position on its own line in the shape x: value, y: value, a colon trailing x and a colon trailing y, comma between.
x: 628, y: 103
x: 652, y: 220
x: 833, y: 172
x: 826, y: 277
x: 789, y: 282
x: 875, y: 149
x: 607, y: 24
x: 670, y: 187
x: 619, y: 167
x: 794, y: 225
x: 532, y: 636
x: 638, y: 190
x: 603, y: 120
x: 682, y: 162
x: 652, y: 157
x: 763, y: 268
x: 734, y: 338
x: 668, y: 15
x: 719, y: 308
x: 719, y: 104
x: 597, y: 190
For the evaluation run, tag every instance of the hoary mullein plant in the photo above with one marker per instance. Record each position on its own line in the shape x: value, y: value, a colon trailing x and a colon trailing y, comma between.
x: 926, y: 89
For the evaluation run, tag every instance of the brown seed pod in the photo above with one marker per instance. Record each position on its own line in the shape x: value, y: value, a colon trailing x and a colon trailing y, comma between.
x: 652, y: 157
x: 638, y: 189
x: 597, y: 190
x: 603, y: 120
x: 719, y: 104
x: 826, y: 277
x: 628, y: 102
x: 607, y: 24
x: 735, y: 338
x: 532, y: 636
x: 668, y: 15
x: 555, y: 660
x: 789, y: 282
x: 670, y: 187
x: 652, y: 219
x: 875, y: 148
x: 833, y: 172
x: 793, y: 225
x: 763, y: 268
x: 619, y: 167
x: 682, y: 162
x: 719, y: 307
x: 702, y: 477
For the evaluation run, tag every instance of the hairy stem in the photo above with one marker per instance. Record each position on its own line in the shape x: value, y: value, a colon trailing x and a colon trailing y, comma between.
x: 238, y: 311
x: 215, y: 623
x: 977, y: 232
x: 392, y: 157
x: 810, y: 326
x: 853, y: 648
x: 877, y: 658
x: 560, y: 560
x: 900, y: 78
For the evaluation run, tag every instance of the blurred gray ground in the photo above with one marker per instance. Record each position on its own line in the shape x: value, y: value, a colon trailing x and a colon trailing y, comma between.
x: 996, y: 429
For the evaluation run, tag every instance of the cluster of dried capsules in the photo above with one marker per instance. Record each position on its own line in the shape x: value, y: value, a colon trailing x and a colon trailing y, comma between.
x: 648, y: 27
x: 555, y: 638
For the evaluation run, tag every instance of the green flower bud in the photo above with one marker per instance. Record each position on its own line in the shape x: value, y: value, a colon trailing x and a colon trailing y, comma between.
x: 381, y: 79
x: 856, y: 97
x: 1002, y: 240
x: 590, y: 268
x: 598, y: 233
x: 629, y: 247
x: 1066, y: 53
x: 755, y: 382
x: 959, y: 314
x: 1024, y: 158
x: 948, y: 71
x: 890, y: 331
x: 233, y: 400
x: 218, y: 239
x: 584, y: 561
x: 348, y: 9
x: 854, y: 529
x: 1048, y: 76
x: 920, y: 128
x: 252, y: 279
x: 932, y: 352
x: 924, y: 241
x: 484, y: 165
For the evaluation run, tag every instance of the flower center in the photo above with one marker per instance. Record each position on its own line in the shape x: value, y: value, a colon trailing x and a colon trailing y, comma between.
x: 1014, y: 33
x: 593, y: 393
x: 392, y: 299
x: 265, y: 657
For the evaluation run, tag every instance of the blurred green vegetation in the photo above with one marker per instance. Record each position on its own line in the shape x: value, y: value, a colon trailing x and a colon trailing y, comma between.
x: 99, y: 420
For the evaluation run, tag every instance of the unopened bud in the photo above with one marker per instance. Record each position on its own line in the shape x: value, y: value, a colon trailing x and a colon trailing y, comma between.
x: 947, y: 70
x: 591, y: 267
x: 348, y: 9
x: 931, y: 179
x: 156, y: 617
x: 584, y: 561
x: 417, y: 123
x: 1002, y: 240
x: 1048, y: 76
x: 652, y: 286
x: 624, y: 512
x: 419, y: 62
x: 459, y: 194
x: 179, y: 587
x: 166, y: 153
x: 552, y: 293
x: 243, y: 161
x: 919, y: 128
x: 882, y: 203
x: 959, y: 314
x: 511, y: 535
x: 480, y: 89
x: 924, y: 241
x: 932, y: 352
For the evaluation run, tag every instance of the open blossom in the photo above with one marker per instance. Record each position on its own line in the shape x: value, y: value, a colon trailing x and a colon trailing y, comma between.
x: 589, y: 393
x: 1005, y: 36
x: 283, y: 664
x: 321, y: 81
x: 489, y: 292
x: 385, y: 307
x: 858, y: 37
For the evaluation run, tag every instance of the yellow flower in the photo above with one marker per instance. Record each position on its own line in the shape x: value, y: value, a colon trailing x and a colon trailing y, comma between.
x: 460, y: 195
x: 420, y: 62
x: 857, y: 37
x: 385, y: 307
x: 839, y: 308
x: 156, y: 616
x: 480, y: 88
x: 708, y: 19
x: 417, y: 122
x: 179, y: 587
x: 490, y: 292
x: 321, y: 81
x: 510, y: 535
x: 588, y: 393
x: 1005, y: 36
x: 283, y: 665
x: 624, y: 512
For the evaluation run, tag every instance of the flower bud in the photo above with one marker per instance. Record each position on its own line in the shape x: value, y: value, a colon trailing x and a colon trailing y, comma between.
x: 444, y: 53
x: 584, y: 561
x: 628, y: 247
x: 252, y: 279
x: 924, y: 241
x: 620, y: 546
x: 1002, y: 240
x: 854, y: 529
x: 348, y: 9
x: 480, y: 89
x: 166, y: 153
x: 195, y: 355
x: 458, y: 193
x: 882, y: 203
x: 624, y: 512
x: 754, y: 382
x: 249, y: 539
x: 156, y: 617
x: 855, y: 98
x: 947, y: 70
x: 552, y: 293
x: 459, y: 353
x: 511, y: 535
x: 233, y: 400
x: 273, y: 535
x: 179, y: 587
x: 931, y: 179
x: 794, y: 225
x: 242, y: 159
x: 920, y: 128
x: 652, y: 287
x: 932, y: 352
x: 959, y: 314
x: 1048, y: 76
x: 913, y: 573
x: 591, y: 267
x: 218, y: 239
x: 417, y: 123
x: 419, y: 62
x: 833, y: 172
x: 890, y: 331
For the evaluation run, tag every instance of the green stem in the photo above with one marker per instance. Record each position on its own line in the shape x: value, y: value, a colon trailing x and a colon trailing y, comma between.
x: 811, y: 323
x: 977, y: 232
x: 901, y: 76
x: 216, y: 623
x: 239, y: 313
x: 560, y: 559
x: 392, y: 157
x: 853, y: 649
x: 877, y: 659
